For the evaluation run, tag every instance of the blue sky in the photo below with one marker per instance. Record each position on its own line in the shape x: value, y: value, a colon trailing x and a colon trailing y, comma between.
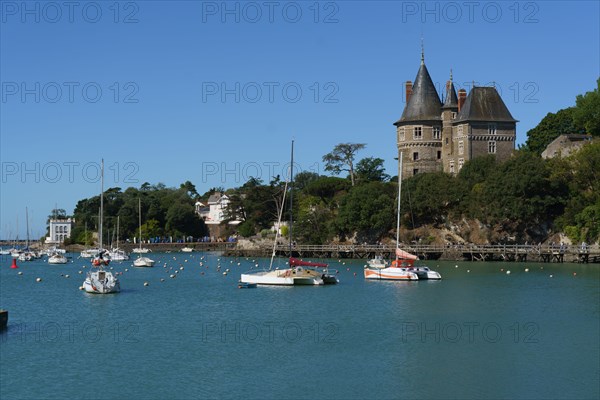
x: 213, y: 92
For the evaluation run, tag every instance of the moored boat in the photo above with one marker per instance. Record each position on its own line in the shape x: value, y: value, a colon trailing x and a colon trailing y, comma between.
x: 98, y: 280
x: 57, y: 258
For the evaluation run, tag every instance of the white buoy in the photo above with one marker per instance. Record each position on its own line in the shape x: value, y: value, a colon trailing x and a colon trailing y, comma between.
x: 172, y: 275
x: 468, y: 270
x: 21, y: 273
x: 38, y: 279
x: 508, y: 272
x: 80, y: 272
x: 526, y: 269
x: 551, y: 276
x: 162, y: 279
x: 181, y: 268
x: 176, y: 271
x: 456, y: 266
x: 126, y: 269
x: 66, y: 276
x: 146, y: 283
x: 225, y: 273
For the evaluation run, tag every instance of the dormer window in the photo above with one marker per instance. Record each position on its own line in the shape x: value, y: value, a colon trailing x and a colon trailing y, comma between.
x: 453, y: 115
x: 491, y: 129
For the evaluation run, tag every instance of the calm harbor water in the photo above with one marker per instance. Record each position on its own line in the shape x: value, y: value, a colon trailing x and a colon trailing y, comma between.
x: 478, y: 334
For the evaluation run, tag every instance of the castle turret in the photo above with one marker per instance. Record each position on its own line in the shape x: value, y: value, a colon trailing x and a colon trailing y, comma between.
x: 449, y: 111
x: 419, y: 128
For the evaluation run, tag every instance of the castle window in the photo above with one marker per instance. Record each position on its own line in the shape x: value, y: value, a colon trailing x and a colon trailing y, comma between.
x: 418, y: 133
x: 492, y: 147
x: 446, y: 140
x: 491, y: 129
x: 451, y: 167
x: 439, y: 155
x: 461, y: 147
x: 401, y: 135
x: 437, y: 132
x: 415, y: 171
x: 460, y: 129
x: 461, y: 162
x: 415, y: 156
x: 453, y: 115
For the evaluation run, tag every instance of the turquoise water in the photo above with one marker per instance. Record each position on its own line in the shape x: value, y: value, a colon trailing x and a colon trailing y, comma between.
x: 481, y: 334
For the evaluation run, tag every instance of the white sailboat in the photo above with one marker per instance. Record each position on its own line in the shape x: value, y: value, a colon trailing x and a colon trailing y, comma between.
x: 26, y: 254
x: 299, y: 272
x: 97, y: 279
x: 142, y: 261
x: 117, y: 254
x: 57, y: 258
x: 380, y: 269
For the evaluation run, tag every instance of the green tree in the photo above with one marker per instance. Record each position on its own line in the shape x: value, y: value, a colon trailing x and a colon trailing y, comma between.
x: 550, y: 127
x: 371, y: 169
x: 342, y: 158
x: 313, y: 224
x: 367, y: 210
x: 587, y: 112
x: 183, y: 221
x: 521, y: 197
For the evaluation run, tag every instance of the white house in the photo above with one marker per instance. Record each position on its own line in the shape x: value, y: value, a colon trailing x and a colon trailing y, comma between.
x: 214, y: 212
x: 60, y: 229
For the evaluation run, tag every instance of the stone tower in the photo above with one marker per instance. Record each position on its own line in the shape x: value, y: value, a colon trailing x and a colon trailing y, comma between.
x: 419, y: 130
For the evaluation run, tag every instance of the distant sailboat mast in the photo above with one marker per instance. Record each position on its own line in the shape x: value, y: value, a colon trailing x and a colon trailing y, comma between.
x: 291, y: 197
x: 398, y: 216
x: 101, y: 203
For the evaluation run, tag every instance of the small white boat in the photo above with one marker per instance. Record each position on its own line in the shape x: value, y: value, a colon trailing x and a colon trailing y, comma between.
x: 98, y: 280
x: 143, y: 262
x: 57, y: 258
x: 25, y: 256
x: 285, y: 277
x: 4, y: 252
x: 378, y: 262
x: 90, y: 253
x: 187, y: 250
x: 390, y: 273
x: 141, y: 250
x: 118, y: 255
x: 299, y: 272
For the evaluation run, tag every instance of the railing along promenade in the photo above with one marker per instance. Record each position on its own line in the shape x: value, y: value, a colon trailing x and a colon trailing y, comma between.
x: 469, y: 252
x: 541, y: 253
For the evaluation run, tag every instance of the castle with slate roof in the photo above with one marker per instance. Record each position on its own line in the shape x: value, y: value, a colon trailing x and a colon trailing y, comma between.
x: 434, y: 136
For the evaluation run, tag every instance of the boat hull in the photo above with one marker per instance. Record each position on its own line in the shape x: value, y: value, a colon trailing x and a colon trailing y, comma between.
x: 101, y: 282
x: 284, y: 277
x: 143, y: 262
x: 57, y: 260
x: 390, y: 274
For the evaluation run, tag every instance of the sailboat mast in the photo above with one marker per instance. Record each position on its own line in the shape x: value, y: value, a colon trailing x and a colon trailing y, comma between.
x: 291, y: 195
x: 27, y: 224
x: 101, y: 203
x: 140, y: 220
x: 398, y: 216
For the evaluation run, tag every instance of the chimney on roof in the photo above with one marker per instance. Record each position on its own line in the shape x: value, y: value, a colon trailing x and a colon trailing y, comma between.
x: 408, y: 88
x: 462, y: 96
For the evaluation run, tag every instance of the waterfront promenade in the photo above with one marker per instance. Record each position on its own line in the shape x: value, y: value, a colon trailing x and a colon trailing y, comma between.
x: 460, y: 252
